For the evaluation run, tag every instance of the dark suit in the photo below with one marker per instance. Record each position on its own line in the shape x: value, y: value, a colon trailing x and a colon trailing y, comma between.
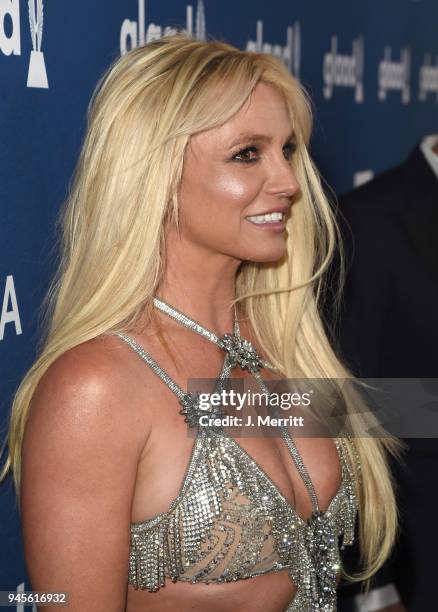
x: 389, y: 329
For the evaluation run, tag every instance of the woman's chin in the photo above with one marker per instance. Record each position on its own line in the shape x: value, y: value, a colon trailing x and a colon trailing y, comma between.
x: 267, y: 255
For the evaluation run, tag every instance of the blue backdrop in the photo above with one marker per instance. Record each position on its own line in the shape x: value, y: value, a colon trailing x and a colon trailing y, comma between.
x: 371, y: 68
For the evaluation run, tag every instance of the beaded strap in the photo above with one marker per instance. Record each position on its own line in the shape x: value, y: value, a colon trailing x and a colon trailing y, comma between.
x: 188, y: 400
x: 241, y: 351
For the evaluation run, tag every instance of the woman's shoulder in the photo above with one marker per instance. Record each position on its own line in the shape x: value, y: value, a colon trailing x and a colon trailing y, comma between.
x: 91, y: 383
x: 97, y: 364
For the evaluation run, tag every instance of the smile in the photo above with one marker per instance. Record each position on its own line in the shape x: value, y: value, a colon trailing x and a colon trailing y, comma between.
x: 274, y: 217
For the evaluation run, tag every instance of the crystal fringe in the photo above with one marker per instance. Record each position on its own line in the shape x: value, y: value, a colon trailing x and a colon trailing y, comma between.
x: 175, y: 544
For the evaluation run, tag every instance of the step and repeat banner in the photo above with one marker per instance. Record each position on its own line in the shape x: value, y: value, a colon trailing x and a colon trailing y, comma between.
x: 371, y: 68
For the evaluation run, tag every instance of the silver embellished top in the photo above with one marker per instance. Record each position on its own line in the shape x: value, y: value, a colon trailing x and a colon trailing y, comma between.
x: 229, y: 520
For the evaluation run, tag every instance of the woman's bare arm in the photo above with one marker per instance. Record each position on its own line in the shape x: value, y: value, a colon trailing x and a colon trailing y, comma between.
x: 81, y: 448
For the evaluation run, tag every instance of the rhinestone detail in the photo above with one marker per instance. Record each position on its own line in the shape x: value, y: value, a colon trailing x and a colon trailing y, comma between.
x: 241, y: 352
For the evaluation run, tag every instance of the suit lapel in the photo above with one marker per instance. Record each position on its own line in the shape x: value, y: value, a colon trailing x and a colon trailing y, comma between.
x: 420, y: 210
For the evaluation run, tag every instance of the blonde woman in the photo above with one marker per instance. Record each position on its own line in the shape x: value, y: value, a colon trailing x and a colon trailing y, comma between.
x: 194, y: 193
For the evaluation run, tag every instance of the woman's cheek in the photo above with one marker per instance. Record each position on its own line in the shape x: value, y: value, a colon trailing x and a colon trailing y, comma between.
x: 240, y: 190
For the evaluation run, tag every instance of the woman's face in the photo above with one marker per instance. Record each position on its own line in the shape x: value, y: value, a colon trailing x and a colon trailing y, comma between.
x: 234, y: 174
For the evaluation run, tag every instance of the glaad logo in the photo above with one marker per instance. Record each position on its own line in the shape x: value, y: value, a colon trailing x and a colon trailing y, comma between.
x: 394, y: 75
x: 37, y: 76
x: 344, y: 70
x: 428, y: 80
x: 290, y: 54
x: 135, y: 33
x: 10, y: 44
x: 13, y: 315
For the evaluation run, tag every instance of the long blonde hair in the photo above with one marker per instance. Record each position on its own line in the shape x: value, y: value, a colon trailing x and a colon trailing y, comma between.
x: 141, y: 116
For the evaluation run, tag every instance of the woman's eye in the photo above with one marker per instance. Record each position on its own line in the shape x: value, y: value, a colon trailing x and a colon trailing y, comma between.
x: 289, y: 149
x: 243, y: 155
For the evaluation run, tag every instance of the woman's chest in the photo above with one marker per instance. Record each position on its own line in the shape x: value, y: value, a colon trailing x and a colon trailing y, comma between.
x: 165, y: 465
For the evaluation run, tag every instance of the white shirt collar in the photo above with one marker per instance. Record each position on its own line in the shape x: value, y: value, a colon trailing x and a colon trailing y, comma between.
x: 426, y: 147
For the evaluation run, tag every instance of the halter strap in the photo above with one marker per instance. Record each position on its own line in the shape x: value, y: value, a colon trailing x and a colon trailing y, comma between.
x: 165, y: 377
x: 179, y: 316
x: 240, y: 350
x: 189, y: 401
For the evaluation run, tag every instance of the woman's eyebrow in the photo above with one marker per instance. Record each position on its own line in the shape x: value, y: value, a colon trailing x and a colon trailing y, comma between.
x: 257, y: 138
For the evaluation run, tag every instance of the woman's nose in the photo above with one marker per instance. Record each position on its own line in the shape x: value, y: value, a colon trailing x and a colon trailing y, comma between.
x: 284, y: 182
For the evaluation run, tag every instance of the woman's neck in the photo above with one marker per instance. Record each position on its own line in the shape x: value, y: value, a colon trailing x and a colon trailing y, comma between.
x: 200, y: 283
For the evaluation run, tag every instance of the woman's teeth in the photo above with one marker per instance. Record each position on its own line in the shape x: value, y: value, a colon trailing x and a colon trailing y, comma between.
x: 268, y: 218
